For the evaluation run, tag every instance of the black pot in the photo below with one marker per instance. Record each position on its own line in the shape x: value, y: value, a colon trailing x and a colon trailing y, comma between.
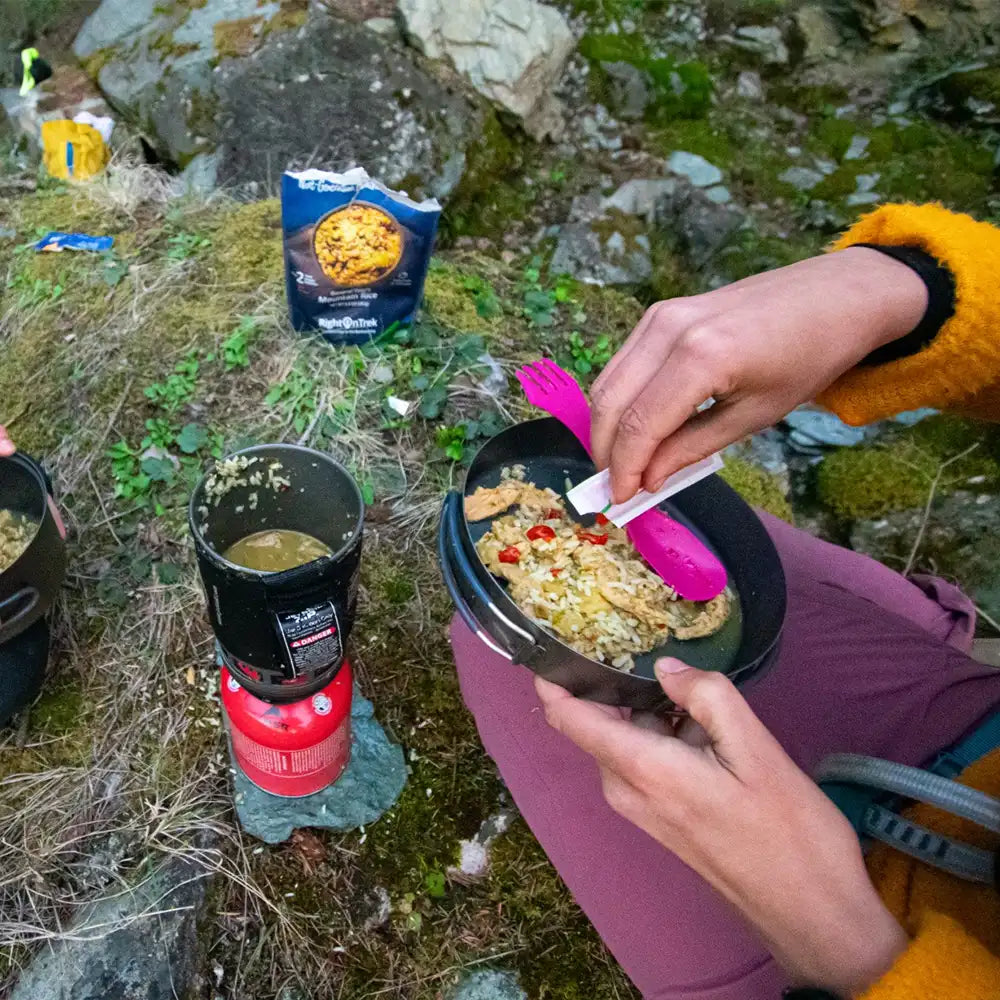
x: 29, y: 587
x: 282, y: 634
x: 742, y: 649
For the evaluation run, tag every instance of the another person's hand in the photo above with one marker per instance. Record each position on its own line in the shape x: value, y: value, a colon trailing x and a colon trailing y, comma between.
x: 723, y: 795
x: 7, y: 447
x: 759, y: 347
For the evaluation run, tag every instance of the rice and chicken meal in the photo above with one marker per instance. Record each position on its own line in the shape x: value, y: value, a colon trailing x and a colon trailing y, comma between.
x: 16, y: 532
x: 587, y: 585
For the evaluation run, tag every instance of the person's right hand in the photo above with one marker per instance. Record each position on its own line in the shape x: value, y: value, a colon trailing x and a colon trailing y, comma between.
x: 759, y: 347
x: 7, y: 447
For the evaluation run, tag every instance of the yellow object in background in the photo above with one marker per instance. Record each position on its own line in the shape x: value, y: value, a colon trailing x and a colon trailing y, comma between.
x: 72, y: 150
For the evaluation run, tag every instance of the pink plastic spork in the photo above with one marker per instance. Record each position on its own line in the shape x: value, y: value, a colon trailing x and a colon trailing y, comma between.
x: 677, y: 556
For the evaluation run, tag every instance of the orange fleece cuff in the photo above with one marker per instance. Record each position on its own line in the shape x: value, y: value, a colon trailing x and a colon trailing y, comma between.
x: 964, y: 358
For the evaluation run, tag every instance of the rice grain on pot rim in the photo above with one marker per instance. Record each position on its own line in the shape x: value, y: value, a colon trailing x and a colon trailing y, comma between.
x: 587, y: 585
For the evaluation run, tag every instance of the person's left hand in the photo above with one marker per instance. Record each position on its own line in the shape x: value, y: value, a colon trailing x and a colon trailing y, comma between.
x: 722, y: 794
x: 7, y: 447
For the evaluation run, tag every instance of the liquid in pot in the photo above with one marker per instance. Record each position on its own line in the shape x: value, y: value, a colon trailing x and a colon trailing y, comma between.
x: 276, y: 550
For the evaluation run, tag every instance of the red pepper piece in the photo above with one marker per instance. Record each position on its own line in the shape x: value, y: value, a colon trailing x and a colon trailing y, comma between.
x: 552, y: 514
x: 556, y: 570
x: 540, y: 531
x: 511, y: 554
x: 589, y: 536
x: 601, y: 520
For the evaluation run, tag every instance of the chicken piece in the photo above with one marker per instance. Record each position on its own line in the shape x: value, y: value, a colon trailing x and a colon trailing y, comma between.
x: 488, y: 501
x: 640, y: 605
x: 693, y: 621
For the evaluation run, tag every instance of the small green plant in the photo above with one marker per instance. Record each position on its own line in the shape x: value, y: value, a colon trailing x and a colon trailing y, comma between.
x: 236, y: 347
x: 172, y: 394
x: 542, y: 302
x: 113, y: 269
x: 297, y: 398
x: 34, y: 291
x: 588, y: 357
x: 486, y: 299
x: 131, y: 483
x: 451, y: 440
x: 183, y: 245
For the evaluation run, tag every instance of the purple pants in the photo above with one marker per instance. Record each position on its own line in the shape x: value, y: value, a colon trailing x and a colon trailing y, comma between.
x: 870, y: 663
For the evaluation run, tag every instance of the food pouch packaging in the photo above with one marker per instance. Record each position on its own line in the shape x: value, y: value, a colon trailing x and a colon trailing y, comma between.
x: 356, y: 253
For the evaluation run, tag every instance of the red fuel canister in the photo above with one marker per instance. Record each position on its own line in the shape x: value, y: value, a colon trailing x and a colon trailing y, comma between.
x: 295, y: 748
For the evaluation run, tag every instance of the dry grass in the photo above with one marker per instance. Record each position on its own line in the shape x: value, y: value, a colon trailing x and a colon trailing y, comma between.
x: 122, y: 761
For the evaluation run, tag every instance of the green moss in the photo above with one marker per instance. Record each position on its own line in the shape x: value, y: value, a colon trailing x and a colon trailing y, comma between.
x: 681, y: 89
x: 246, y: 244
x: 234, y: 39
x: 60, y: 708
x: 96, y: 61
x: 292, y: 14
x: 758, y: 487
x: 489, y: 197
x: 897, y: 474
x: 705, y: 137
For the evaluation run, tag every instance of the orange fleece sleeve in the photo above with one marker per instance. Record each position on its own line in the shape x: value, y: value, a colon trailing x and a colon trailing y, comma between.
x: 943, y: 962
x: 960, y: 369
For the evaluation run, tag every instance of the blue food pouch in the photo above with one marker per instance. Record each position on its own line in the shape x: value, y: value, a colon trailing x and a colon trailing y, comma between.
x: 356, y: 253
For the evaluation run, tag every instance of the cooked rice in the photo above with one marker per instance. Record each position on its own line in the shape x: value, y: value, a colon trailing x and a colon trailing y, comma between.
x: 16, y: 532
x: 602, y: 600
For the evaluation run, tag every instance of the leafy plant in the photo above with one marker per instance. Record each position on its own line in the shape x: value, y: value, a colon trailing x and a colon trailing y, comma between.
x: 35, y: 291
x: 183, y: 245
x: 236, y: 347
x: 588, y: 357
x: 130, y: 482
x: 451, y: 440
x: 486, y: 299
x: 541, y: 302
x: 296, y: 397
x: 192, y: 438
x: 178, y: 387
x: 113, y: 269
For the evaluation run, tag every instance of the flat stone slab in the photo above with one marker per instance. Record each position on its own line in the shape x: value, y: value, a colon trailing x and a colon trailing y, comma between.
x: 488, y: 984
x: 370, y: 785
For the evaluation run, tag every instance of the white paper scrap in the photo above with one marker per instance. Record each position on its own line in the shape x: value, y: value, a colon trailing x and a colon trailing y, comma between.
x: 594, y: 495
x: 400, y: 406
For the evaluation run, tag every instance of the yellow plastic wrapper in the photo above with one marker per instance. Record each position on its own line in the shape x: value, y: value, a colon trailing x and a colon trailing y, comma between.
x: 72, y: 150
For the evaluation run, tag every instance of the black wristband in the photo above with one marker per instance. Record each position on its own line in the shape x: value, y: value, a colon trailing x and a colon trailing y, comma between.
x: 807, y: 993
x: 940, y: 285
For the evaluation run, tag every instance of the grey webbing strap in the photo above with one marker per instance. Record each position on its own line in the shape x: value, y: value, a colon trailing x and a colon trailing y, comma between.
x: 963, y: 860
x: 960, y: 859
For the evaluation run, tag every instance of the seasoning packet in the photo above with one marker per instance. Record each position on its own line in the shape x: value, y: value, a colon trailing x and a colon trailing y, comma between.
x: 356, y: 253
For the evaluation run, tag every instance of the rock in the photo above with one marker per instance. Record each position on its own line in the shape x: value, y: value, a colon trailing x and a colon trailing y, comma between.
x: 763, y: 41
x: 750, y: 85
x: 865, y: 193
x: 961, y: 542
x: 599, y: 252
x: 638, y: 196
x: 384, y: 26
x: 250, y: 79
x: 140, y: 944
x: 858, y: 149
x: 898, y: 23
x: 818, y: 31
x: 719, y: 194
x: 361, y: 10
x: 375, y: 909
x: 370, y: 785
x: 968, y: 93
x: 629, y: 89
x: 695, y: 225
x: 812, y: 429
x: 201, y: 175
x: 766, y: 450
x: 801, y: 178
x: 512, y: 51
x: 695, y: 168
x: 488, y: 984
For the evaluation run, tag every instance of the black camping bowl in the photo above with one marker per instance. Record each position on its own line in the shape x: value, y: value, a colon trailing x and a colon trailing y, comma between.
x: 29, y: 586
x: 290, y: 627
x: 551, y: 455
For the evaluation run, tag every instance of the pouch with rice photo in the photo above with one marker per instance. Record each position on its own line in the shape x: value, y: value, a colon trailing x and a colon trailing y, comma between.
x: 356, y: 253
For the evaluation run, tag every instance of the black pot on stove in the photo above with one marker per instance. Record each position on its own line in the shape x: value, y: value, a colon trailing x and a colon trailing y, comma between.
x: 282, y: 635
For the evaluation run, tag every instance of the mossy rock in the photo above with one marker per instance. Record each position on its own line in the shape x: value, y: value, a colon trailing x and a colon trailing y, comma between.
x: 896, y: 474
x: 757, y: 486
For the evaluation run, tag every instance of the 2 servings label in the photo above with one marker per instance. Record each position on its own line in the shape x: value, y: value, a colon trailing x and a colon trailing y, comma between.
x: 311, y: 637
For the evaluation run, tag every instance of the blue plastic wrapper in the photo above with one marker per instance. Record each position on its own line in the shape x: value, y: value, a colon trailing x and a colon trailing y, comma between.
x: 53, y: 242
x: 356, y: 253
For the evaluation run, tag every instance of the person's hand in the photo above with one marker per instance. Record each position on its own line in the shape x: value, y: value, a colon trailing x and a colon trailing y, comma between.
x: 723, y: 795
x: 759, y: 347
x: 7, y: 447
